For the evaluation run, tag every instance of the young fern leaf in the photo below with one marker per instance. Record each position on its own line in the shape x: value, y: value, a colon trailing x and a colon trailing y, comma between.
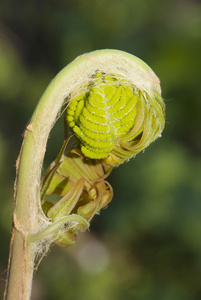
x: 113, y: 118
x: 114, y: 109
x: 80, y: 182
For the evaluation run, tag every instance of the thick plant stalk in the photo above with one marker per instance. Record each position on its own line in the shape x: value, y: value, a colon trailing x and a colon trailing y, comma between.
x: 28, y: 216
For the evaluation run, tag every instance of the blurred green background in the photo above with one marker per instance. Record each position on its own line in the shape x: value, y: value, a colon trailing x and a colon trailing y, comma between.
x: 147, y: 244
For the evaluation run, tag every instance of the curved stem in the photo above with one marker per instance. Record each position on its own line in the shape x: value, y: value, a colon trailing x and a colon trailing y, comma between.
x: 28, y: 216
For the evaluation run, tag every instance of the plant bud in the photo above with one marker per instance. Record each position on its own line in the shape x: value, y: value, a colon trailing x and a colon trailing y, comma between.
x: 117, y: 116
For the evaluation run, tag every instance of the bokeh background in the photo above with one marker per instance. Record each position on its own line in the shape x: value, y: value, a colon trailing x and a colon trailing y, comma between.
x: 147, y: 243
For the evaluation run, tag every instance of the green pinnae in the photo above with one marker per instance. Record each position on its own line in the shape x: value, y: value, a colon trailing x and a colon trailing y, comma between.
x: 103, y: 114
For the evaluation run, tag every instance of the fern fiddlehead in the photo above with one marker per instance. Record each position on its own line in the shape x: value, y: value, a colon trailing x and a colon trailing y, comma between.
x: 113, y: 118
x: 114, y: 110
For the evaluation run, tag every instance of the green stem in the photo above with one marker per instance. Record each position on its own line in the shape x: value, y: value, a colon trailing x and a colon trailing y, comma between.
x: 28, y: 217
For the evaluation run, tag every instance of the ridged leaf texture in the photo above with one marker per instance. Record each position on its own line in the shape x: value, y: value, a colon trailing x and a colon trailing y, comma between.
x: 109, y: 119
